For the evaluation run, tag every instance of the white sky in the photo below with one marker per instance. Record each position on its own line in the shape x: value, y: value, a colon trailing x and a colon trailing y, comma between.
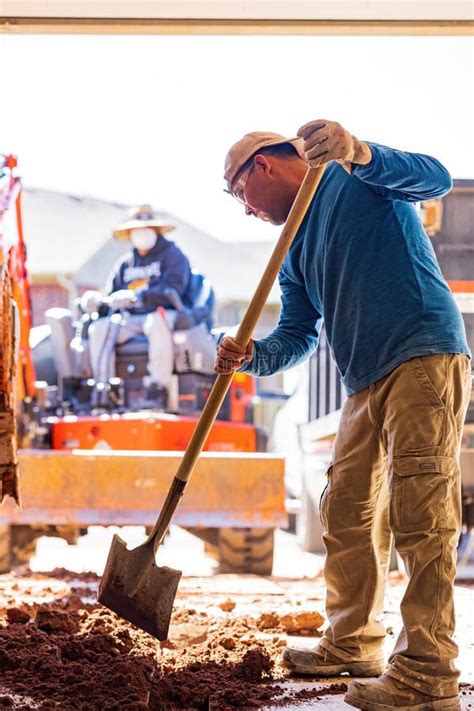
x: 150, y: 118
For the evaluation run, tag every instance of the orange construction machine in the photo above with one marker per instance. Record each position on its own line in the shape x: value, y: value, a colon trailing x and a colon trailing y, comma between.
x: 13, y: 256
x: 104, y: 452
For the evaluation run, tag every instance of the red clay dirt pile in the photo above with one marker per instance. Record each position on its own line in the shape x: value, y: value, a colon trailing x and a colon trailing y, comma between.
x: 60, y: 650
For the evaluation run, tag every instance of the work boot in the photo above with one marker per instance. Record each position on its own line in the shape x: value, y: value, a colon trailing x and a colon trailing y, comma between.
x: 389, y: 693
x: 321, y: 662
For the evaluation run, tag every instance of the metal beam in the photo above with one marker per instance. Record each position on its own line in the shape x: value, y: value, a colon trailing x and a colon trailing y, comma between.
x: 87, y: 487
x: 238, y: 10
x: 15, y: 25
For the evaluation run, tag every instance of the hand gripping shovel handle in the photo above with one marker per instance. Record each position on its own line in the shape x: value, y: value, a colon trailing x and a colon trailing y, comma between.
x: 222, y: 383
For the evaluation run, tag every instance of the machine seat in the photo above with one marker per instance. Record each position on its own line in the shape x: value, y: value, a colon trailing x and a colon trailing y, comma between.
x: 199, y: 298
x: 138, y: 345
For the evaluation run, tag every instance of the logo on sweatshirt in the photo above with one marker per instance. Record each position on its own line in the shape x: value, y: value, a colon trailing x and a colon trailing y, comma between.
x: 142, y: 272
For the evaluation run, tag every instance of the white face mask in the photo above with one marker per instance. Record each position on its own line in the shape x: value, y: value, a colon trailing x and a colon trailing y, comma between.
x: 143, y: 238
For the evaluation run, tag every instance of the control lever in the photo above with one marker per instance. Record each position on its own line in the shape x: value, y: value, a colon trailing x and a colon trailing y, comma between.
x: 175, y: 299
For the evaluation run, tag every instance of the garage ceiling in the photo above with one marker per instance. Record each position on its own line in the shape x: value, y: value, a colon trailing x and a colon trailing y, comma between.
x: 236, y: 17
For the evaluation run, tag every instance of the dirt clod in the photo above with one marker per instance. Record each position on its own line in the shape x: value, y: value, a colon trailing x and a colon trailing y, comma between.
x: 15, y: 615
x: 302, y: 622
x: 268, y: 621
x: 295, y: 623
x: 227, y: 605
x: 50, y: 620
x: 228, y: 643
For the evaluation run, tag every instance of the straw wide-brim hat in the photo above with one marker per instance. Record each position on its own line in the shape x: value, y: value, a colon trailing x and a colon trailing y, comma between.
x: 142, y: 216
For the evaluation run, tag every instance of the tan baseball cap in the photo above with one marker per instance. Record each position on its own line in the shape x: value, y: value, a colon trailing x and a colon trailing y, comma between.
x: 251, y: 143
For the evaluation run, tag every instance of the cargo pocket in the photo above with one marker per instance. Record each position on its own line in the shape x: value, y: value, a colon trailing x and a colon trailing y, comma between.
x: 420, y: 497
x: 431, y: 375
x: 323, y: 500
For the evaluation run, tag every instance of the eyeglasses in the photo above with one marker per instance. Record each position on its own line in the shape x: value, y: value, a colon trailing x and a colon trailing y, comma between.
x: 238, y: 189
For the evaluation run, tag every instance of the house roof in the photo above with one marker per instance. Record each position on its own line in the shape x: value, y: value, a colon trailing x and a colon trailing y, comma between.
x: 71, y: 235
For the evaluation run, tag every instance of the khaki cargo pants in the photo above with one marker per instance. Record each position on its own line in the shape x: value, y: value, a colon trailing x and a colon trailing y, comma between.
x: 408, y: 423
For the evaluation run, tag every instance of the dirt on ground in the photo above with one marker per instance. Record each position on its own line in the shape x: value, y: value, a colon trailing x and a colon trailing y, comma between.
x: 59, y: 649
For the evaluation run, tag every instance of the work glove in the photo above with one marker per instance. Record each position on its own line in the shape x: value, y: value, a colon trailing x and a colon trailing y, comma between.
x: 121, y: 299
x: 91, y: 301
x: 328, y: 140
x: 231, y: 356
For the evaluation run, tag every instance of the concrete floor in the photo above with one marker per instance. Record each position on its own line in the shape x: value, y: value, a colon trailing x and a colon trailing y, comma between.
x: 180, y: 550
x: 297, y: 577
x: 336, y: 703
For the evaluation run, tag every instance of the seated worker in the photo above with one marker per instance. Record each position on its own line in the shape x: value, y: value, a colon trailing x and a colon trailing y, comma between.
x: 137, y: 288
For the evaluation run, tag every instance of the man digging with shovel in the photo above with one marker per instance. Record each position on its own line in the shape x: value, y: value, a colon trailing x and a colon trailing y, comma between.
x: 362, y: 262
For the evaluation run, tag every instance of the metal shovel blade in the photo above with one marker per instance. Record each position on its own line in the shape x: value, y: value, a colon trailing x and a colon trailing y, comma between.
x: 135, y: 588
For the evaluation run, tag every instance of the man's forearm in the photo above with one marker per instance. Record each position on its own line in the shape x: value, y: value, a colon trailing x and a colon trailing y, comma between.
x: 404, y: 176
x: 280, y: 351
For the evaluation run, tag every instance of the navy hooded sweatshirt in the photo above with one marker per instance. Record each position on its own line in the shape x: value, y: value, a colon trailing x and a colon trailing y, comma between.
x: 163, y: 267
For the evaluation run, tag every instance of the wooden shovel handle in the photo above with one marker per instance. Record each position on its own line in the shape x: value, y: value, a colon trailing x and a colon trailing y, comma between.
x: 221, y: 385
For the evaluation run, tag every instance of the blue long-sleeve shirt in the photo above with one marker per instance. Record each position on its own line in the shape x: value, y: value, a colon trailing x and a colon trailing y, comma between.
x: 362, y: 263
